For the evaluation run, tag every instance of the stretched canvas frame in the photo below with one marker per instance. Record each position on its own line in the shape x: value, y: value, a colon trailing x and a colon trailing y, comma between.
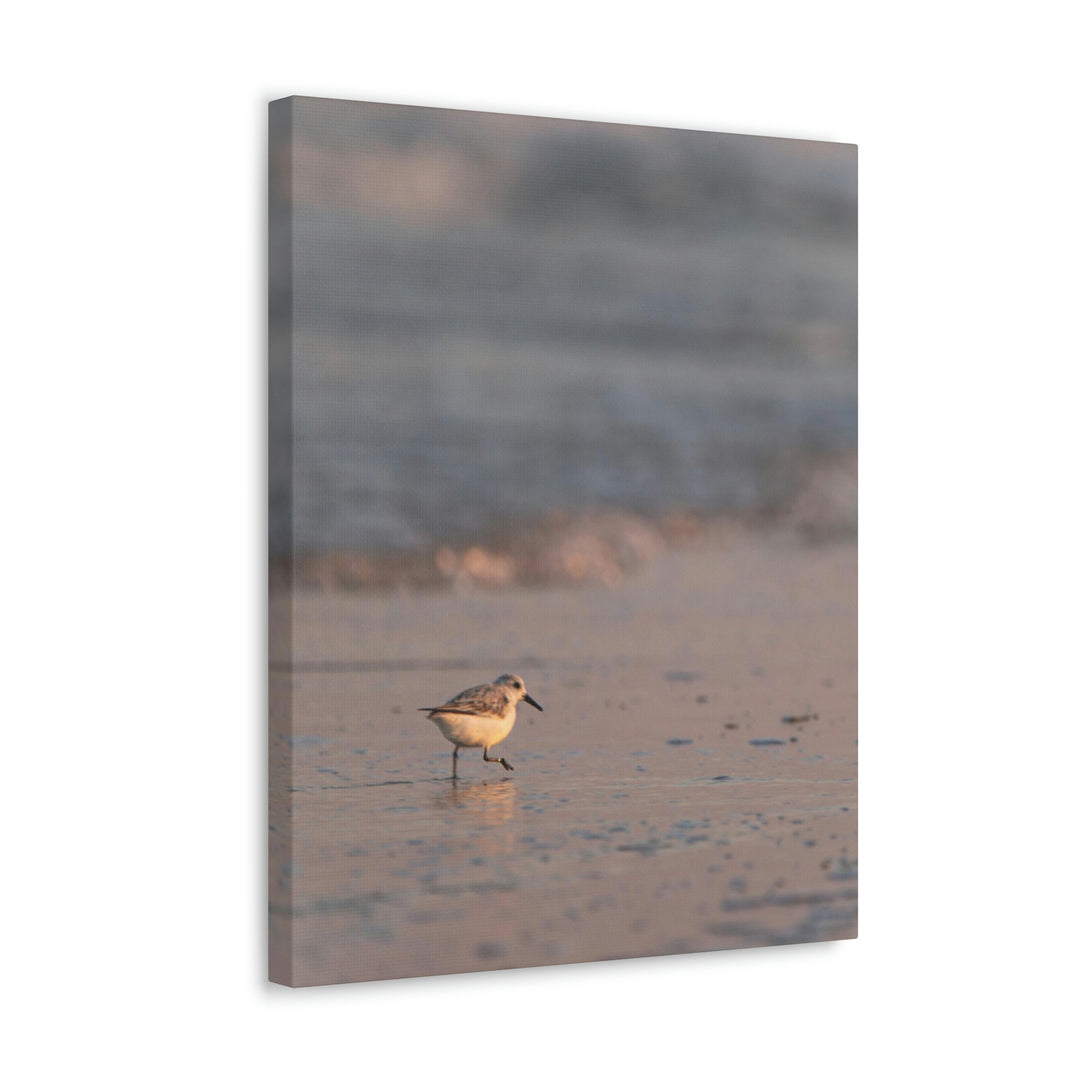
x: 573, y: 403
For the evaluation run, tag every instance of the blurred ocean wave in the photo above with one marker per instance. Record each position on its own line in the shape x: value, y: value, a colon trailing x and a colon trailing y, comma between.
x: 600, y: 546
x: 496, y: 320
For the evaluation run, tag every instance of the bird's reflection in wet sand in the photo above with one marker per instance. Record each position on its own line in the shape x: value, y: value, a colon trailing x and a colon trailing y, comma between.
x: 494, y: 801
x: 486, y: 809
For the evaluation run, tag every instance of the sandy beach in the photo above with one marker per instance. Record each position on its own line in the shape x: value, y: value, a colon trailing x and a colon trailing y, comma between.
x: 690, y: 785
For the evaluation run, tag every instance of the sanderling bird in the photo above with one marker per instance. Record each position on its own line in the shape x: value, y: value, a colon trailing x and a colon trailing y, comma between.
x: 481, y: 716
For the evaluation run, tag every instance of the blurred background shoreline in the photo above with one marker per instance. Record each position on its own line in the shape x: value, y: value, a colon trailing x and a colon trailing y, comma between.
x: 512, y: 350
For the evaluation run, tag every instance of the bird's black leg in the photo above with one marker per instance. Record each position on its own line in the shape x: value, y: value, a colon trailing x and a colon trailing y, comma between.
x: 453, y: 775
x: 501, y: 760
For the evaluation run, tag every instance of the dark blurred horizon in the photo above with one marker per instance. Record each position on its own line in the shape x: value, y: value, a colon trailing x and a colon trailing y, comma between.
x: 494, y: 317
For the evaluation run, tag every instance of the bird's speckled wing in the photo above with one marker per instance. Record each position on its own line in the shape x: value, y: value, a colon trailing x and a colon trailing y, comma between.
x: 484, y: 700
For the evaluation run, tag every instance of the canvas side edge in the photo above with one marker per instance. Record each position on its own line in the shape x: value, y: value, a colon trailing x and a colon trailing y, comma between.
x: 280, y: 493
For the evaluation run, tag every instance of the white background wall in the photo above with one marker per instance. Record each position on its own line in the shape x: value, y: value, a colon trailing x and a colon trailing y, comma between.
x: 133, y: 257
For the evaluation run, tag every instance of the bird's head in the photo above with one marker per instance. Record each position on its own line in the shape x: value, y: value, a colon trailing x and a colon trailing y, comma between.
x: 516, y: 686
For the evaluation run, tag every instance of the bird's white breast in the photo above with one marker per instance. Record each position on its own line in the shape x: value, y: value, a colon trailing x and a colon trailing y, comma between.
x: 475, y: 730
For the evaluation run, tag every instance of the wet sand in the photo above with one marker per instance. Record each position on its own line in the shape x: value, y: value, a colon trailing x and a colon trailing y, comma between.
x: 690, y: 785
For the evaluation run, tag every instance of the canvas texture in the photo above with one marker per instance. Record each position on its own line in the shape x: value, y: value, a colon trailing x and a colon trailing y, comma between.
x: 562, y: 541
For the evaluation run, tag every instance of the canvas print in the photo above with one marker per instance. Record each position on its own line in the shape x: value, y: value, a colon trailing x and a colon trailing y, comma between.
x: 562, y: 541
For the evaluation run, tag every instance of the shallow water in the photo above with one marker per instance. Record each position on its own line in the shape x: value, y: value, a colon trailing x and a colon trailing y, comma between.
x: 566, y: 859
x: 646, y: 813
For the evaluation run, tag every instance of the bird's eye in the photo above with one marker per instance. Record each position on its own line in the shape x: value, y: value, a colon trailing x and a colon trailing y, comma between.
x: 517, y: 686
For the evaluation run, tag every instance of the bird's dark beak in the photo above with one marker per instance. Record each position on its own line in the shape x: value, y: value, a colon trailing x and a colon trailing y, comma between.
x: 531, y: 702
